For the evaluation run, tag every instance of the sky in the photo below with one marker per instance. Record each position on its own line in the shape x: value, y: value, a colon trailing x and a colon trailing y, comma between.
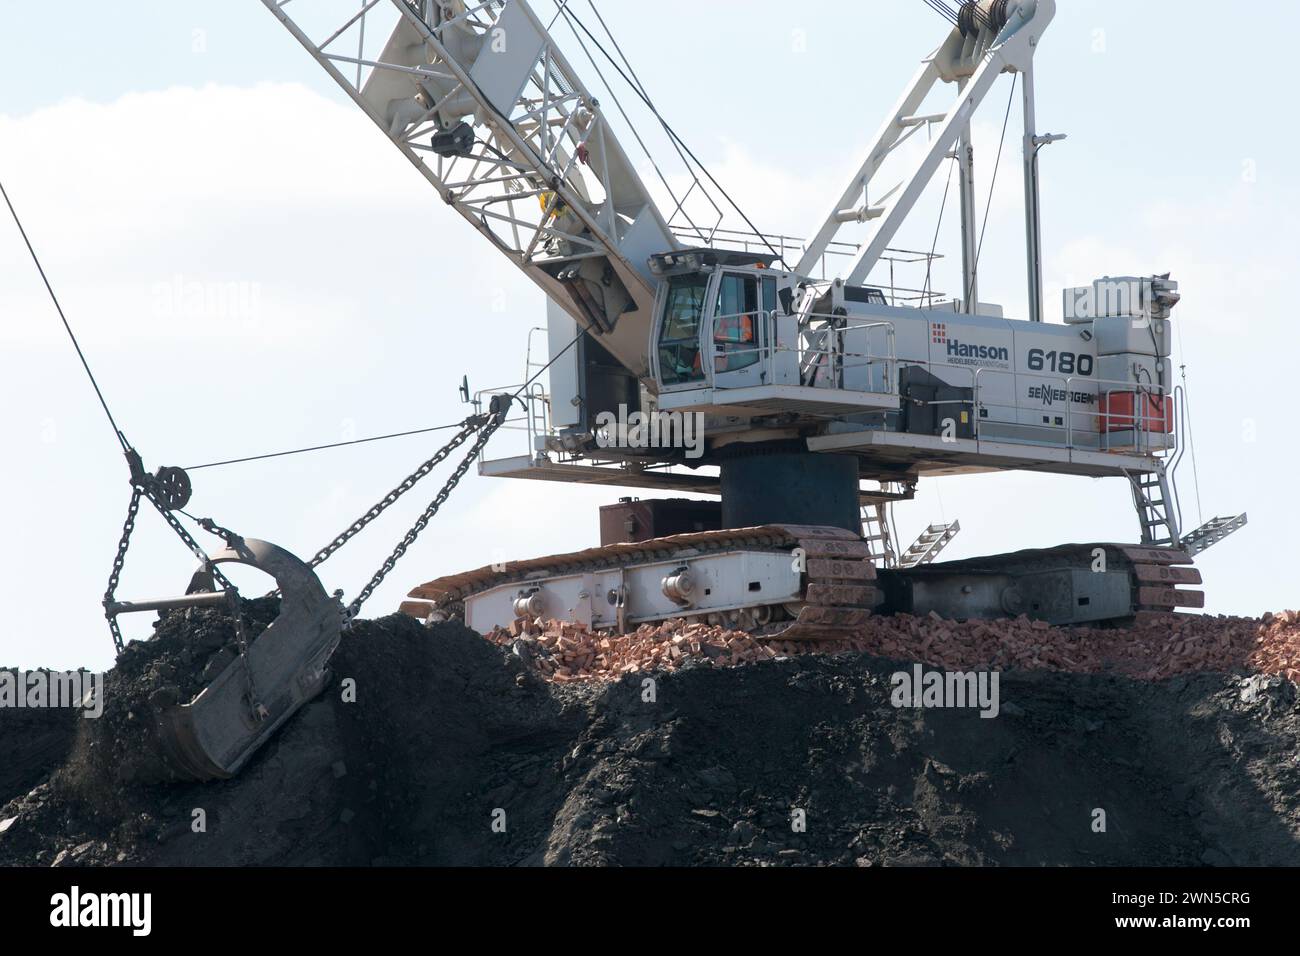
x: 251, y: 266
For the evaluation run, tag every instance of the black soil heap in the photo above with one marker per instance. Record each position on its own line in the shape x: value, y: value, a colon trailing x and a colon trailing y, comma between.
x: 434, y: 747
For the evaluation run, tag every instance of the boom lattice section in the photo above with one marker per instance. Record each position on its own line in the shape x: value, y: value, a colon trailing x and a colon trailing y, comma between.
x: 481, y: 100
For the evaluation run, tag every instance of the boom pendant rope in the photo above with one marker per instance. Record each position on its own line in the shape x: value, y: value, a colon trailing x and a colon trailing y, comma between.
x: 988, y: 206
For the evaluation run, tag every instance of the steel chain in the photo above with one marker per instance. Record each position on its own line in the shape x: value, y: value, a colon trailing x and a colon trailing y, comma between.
x: 486, y: 432
x: 485, y: 425
x: 195, y: 548
x: 468, y: 427
x: 142, y: 488
x: 255, y: 705
x: 119, y: 561
x: 225, y: 534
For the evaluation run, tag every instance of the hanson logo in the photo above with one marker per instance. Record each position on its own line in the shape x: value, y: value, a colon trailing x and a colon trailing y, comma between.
x: 992, y: 353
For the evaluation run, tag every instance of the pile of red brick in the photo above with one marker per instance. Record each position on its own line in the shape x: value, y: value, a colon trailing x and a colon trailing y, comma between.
x: 1278, y: 647
x: 565, y: 652
x: 1154, y: 648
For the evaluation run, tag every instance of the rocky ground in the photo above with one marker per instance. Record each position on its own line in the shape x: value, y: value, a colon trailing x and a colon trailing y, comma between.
x: 1154, y: 648
x: 463, y: 751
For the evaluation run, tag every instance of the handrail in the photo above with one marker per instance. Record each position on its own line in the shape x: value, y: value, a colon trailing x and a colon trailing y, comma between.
x: 762, y: 318
x: 763, y: 242
x: 836, y: 352
x: 1144, y: 421
x: 1140, y: 418
x: 1141, y: 421
x: 536, y: 419
x: 832, y: 346
x: 824, y: 348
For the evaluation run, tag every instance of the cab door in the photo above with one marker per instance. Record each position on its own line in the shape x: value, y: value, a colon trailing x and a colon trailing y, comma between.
x: 739, y: 322
x: 680, y: 339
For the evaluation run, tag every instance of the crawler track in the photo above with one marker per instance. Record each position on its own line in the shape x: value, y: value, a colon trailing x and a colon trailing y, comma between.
x: 839, y: 583
x: 840, y: 590
x: 1155, y: 574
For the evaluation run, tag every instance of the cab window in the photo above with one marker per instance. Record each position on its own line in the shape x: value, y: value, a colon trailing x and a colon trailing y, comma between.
x: 735, y: 338
x: 679, y: 337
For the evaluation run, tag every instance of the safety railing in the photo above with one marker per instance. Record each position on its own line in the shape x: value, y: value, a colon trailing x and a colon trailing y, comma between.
x: 1142, y: 424
x: 1150, y: 415
x: 823, y: 348
x: 535, y: 419
x: 787, y: 247
x: 763, y: 333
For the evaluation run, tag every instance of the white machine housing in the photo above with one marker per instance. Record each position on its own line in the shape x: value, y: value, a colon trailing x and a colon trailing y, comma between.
x: 847, y: 353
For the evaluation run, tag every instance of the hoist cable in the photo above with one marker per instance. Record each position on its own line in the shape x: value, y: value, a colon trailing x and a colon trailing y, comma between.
x: 943, y: 205
x: 988, y: 206
x: 339, y: 444
x: 573, y: 17
x: 117, y: 432
x: 375, y: 438
x: 1191, y: 436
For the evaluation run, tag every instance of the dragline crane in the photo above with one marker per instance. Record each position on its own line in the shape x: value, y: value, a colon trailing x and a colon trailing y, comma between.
x: 797, y: 382
x: 786, y: 377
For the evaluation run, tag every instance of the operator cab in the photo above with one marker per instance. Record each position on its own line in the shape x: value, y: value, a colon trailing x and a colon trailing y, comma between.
x: 726, y: 340
x: 715, y: 317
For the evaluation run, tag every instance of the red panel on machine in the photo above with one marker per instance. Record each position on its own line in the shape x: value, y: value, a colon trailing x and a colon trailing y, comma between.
x: 1124, y: 411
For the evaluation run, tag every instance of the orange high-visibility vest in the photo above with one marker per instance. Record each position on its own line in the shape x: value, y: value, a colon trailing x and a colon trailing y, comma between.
x: 735, y: 328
